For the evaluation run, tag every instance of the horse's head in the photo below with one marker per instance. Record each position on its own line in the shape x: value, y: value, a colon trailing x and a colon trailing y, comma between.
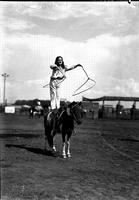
x: 76, y: 111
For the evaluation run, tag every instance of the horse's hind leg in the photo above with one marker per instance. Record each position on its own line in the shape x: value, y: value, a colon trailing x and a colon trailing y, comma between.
x: 51, y: 144
x: 68, y: 149
x: 48, y: 140
x: 53, y: 133
x: 45, y: 143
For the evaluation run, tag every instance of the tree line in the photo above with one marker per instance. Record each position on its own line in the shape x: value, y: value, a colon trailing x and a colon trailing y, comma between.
x: 44, y: 103
x: 32, y: 102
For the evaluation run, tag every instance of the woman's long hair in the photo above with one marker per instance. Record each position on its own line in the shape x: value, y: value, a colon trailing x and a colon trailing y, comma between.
x: 56, y: 61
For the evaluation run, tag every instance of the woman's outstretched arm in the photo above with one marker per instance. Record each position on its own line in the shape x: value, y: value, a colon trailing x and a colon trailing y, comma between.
x: 73, y: 67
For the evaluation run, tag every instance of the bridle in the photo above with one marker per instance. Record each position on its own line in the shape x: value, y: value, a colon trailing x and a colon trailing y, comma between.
x: 72, y: 112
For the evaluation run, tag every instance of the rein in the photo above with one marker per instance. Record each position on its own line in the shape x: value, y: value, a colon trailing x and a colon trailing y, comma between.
x: 75, y: 118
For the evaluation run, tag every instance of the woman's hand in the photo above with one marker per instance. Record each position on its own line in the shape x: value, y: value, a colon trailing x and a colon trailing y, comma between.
x: 60, y: 78
x: 53, y: 67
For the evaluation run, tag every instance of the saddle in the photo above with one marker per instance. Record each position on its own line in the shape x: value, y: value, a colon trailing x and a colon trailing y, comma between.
x: 57, y: 114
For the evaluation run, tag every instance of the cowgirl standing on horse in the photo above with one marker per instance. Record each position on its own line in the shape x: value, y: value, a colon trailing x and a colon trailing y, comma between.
x: 58, y: 76
x: 57, y: 120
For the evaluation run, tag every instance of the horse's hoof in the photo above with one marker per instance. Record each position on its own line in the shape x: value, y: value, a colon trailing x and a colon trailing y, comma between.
x: 54, y: 149
x: 68, y: 155
x: 64, y: 156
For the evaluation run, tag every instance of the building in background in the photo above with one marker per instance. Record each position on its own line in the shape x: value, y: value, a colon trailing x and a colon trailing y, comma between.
x: 109, y: 111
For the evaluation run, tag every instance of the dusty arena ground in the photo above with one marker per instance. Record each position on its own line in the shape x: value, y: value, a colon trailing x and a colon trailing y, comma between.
x: 104, y: 163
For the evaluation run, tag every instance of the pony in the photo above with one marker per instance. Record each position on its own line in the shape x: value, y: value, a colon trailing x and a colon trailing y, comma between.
x: 63, y: 121
x: 35, y: 111
x: 31, y: 112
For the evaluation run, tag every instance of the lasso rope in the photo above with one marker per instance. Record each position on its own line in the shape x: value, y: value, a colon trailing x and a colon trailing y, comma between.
x: 75, y: 92
x: 57, y: 83
x: 88, y: 78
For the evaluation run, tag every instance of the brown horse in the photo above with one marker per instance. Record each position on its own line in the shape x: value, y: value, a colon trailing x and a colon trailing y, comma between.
x: 63, y: 120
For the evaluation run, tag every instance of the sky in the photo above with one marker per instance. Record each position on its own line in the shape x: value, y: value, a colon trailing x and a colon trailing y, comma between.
x: 101, y: 36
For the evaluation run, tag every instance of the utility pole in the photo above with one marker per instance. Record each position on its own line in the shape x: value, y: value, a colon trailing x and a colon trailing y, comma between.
x: 5, y: 75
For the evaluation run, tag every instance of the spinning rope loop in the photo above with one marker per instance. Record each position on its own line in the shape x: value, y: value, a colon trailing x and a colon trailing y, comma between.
x: 75, y: 92
x: 62, y: 79
x: 57, y: 83
x: 88, y: 78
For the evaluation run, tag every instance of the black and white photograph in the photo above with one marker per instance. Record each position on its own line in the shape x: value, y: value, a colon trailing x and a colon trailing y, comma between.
x: 69, y: 100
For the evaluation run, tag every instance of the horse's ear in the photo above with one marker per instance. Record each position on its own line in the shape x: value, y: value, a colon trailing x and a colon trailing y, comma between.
x: 80, y: 103
x: 74, y: 103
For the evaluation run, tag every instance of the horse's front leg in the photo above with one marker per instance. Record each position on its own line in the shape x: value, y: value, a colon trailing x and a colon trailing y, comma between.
x: 64, y: 144
x: 68, y: 149
x: 64, y: 150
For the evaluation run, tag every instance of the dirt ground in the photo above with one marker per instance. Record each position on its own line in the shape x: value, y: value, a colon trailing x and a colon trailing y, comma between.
x: 104, y: 163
